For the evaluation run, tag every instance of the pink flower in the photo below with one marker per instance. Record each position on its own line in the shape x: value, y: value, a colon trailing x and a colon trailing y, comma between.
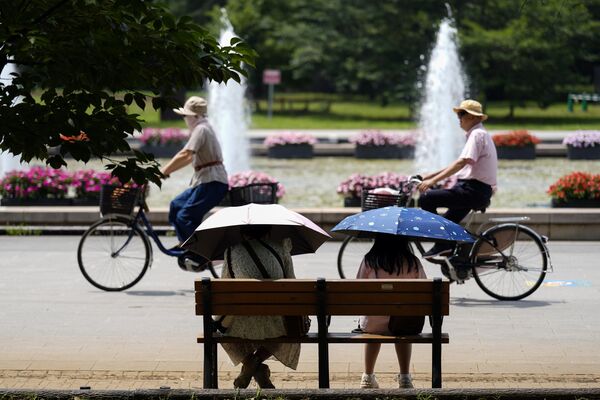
x: 283, y: 138
x: 162, y: 137
x: 248, y: 177
x: 374, y: 137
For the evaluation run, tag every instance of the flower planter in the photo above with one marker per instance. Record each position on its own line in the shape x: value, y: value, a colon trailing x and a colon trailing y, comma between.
x: 583, y: 153
x: 516, y: 153
x: 406, y: 152
x: 19, y: 202
x: 576, y: 203
x: 165, y: 151
x: 302, y: 150
x: 86, y: 201
x: 368, y: 151
x: 352, y: 201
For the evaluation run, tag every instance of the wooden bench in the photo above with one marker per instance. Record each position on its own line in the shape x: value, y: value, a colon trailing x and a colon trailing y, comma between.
x: 323, y: 298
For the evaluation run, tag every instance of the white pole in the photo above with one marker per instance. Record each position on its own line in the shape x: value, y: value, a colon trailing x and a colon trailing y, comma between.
x: 271, y: 92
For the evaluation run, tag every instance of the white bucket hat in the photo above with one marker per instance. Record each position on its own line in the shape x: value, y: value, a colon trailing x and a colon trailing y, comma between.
x: 193, y: 106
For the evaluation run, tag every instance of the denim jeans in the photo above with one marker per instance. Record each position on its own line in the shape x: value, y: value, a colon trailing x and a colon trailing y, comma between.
x: 187, y: 209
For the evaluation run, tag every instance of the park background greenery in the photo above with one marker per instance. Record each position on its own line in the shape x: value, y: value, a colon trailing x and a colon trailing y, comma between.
x: 516, y: 53
x: 93, y: 65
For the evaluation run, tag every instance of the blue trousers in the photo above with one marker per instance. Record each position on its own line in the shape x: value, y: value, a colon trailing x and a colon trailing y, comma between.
x: 187, y: 209
x: 459, y: 199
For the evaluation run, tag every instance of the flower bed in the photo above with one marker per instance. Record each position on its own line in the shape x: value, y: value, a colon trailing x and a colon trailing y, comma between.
x: 378, y: 144
x: 247, y: 178
x: 583, y: 145
x: 351, y: 188
x: 48, y: 186
x: 290, y: 145
x: 516, y: 145
x: 578, y: 189
x: 163, y: 142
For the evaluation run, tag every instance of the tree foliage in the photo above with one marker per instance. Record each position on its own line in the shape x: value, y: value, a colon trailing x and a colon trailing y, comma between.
x: 82, y: 62
x: 346, y: 46
x: 528, y: 50
x: 513, y: 49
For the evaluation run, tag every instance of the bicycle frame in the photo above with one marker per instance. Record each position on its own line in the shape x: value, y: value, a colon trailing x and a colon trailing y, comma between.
x: 412, y: 195
x: 149, y: 232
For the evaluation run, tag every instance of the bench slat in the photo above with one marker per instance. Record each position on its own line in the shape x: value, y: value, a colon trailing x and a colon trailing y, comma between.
x: 311, y: 309
x: 333, y: 286
x: 337, y: 338
x: 255, y: 285
x: 384, y: 285
x: 311, y: 297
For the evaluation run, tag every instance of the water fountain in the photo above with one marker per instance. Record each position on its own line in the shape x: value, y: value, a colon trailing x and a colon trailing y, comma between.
x: 8, y: 162
x: 229, y: 114
x: 441, y: 139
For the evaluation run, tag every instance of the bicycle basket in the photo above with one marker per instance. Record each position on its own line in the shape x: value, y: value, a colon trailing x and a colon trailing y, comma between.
x: 261, y: 193
x: 370, y: 201
x: 118, y: 199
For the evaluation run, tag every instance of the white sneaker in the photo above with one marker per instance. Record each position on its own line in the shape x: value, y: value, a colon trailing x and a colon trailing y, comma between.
x: 405, y: 382
x: 368, y: 381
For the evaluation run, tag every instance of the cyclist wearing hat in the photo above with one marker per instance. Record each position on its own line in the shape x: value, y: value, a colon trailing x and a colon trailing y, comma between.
x: 475, y: 168
x: 209, y: 182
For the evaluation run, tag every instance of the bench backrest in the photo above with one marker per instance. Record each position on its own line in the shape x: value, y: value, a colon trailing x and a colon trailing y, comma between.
x: 402, y: 297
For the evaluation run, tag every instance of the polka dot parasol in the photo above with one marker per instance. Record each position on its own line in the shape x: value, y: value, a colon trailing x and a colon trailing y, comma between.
x: 413, y: 223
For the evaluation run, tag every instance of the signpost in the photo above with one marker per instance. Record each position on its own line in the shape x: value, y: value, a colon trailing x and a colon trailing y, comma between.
x: 271, y: 77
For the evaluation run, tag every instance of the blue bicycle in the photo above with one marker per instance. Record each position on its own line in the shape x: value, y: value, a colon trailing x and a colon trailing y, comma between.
x: 116, y: 251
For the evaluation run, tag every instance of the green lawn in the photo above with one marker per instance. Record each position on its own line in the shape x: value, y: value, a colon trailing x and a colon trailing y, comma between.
x: 362, y: 114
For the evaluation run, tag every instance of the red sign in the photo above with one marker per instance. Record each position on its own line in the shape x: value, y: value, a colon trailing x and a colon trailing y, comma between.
x: 271, y: 76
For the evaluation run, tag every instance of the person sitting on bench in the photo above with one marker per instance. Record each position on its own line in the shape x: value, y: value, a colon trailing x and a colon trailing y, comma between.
x: 390, y: 258
x: 254, y: 258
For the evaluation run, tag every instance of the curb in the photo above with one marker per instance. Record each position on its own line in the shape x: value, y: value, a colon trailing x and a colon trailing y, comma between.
x: 212, y: 394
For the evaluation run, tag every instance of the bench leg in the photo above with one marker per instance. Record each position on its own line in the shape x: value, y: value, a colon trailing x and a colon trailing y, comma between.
x: 215, y: 369
x: 323, y: 365
x: 208, y: 366
x: 436, y: 365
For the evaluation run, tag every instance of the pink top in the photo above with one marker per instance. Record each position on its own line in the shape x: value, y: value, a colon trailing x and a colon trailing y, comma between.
x: 379, y: 324
x: 480, y: 153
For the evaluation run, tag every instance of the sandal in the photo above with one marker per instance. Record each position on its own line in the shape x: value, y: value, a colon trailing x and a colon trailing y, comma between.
x: 261, y: 376
x: 248, y: 370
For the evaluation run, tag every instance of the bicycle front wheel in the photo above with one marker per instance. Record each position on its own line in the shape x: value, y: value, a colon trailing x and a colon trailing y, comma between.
x: 510, y: 261
x: 350, y: 256
x: 113, y: 255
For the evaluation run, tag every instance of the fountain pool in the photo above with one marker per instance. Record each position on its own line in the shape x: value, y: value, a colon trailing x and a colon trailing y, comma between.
x: 313, y: 183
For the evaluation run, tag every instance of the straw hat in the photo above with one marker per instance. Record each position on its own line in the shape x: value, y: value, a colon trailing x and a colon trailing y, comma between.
x: 472, y: 107
x: 193, y: 106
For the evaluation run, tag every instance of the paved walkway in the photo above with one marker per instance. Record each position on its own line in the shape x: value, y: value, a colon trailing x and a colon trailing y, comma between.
x: 59, y: 332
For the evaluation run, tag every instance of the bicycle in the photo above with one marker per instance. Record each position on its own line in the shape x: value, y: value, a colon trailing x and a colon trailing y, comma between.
x: 115, y: 252
x: 508, y: 260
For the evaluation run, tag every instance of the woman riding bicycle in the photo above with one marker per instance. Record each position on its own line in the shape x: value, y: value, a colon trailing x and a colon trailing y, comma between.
x: 209, y: 182
x: 475, y: 168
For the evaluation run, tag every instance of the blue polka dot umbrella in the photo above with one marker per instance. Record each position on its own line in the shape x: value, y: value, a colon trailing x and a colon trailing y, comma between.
x: 414, y: 223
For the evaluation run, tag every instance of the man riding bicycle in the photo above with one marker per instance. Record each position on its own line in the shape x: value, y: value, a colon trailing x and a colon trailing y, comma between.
x: 476, y: 170
x: 209, y: 183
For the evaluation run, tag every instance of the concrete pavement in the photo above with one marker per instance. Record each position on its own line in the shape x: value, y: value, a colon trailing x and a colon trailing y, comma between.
x: 57, y: 331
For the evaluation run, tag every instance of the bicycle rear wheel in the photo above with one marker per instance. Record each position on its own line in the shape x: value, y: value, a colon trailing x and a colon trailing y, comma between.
x: 113, y: 255
x: 350, y: 256
x: 510, y: 261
